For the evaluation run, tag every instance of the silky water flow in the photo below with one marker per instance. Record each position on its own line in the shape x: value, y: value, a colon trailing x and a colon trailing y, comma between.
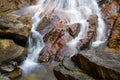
x: 70, y: 12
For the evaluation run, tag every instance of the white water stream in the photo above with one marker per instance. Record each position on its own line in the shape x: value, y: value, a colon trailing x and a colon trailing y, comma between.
x: 70, y: 12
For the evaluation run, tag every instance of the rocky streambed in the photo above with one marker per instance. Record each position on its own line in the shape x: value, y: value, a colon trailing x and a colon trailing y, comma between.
x: 102, y: 63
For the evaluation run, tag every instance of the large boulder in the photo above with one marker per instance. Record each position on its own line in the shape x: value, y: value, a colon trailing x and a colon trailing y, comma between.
x: 99, y: 64
x: 14, y: 32
x: 16, y: 29
x: 69, y: 71
x: 9, y: 50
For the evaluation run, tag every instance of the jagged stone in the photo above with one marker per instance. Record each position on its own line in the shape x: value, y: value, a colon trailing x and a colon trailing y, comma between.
x: 100, y: 64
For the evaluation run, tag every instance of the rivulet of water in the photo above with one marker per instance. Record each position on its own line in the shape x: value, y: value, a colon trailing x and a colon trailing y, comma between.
x: 69, y: 12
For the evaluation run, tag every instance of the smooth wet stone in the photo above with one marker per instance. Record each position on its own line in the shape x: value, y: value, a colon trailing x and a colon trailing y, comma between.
x: 102, y: 65
x: 16, y: 29
x: 65, y: 52
x: 9, y: 50
x: 15, y: 73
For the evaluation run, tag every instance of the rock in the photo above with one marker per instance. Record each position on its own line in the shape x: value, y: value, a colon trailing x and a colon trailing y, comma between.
x: 102, y: 65
x: 85, y: 43
x: 15, y: 73
x: 69, y: 71
x: 7, y: 6
x: 44, y: 27
x: 74, y: 29
x: 8, y: 67
x: 9, y: 50
x: 4, y: 77
x: 114, y: 41
x: 110, y: 9
x: 65, y: 52
x: 55, y: 37
x: 16, y: 29
x: 110, y: 13
x: 20, y: 25
x: 55, y: 42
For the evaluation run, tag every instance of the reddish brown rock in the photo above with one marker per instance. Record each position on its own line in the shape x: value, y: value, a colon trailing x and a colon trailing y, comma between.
x: 15, y: 73
x: 85, y: 43
x: 55, y: 39
x: 54, y: 44
x: 114, y: 41
x: 110, y: 10
x: 65, y: 52
x: 44, y: 26
x: 74, y: 29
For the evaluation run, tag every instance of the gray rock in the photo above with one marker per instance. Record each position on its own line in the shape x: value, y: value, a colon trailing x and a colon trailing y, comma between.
x: 69, y: 71
x: 100, y: 64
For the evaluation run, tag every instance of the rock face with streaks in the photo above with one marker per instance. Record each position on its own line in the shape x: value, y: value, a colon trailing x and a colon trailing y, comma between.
x: 57, y: 35
x: 111, y: 14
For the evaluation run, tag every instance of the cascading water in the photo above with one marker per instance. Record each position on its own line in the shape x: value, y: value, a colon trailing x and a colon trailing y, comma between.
x: 69, y: 12
x: 87, y: 8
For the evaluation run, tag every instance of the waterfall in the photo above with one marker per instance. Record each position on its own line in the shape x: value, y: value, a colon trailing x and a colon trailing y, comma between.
x: 69, y: 12
x: 87, y: 8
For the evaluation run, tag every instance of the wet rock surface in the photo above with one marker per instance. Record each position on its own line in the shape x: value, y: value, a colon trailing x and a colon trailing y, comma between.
x: 114, y: 41
x: 99, y: 64
x: 110, y: 10
x: 59, y: 35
